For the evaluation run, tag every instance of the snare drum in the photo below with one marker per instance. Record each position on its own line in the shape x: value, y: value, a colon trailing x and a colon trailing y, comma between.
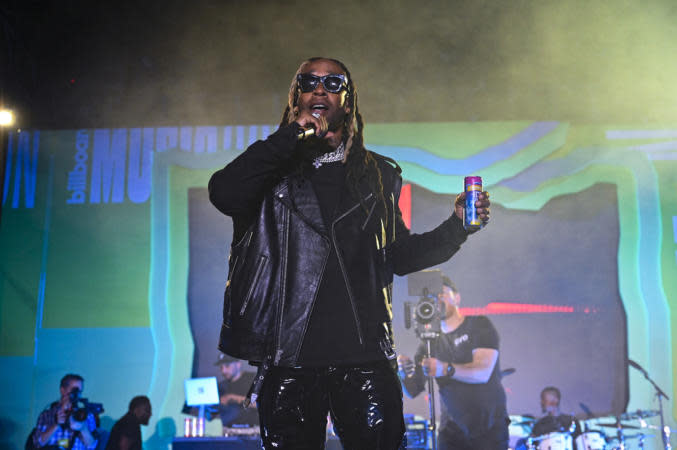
x: 554, y: 441
x: 591, y: 440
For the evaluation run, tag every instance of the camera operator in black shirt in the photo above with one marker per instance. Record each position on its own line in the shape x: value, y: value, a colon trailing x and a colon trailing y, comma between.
x: 464, y: 360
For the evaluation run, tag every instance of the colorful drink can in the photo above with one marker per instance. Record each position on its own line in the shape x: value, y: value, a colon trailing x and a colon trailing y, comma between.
x: 187, y: 427
x: 200, y: 426
x: 472, y: 187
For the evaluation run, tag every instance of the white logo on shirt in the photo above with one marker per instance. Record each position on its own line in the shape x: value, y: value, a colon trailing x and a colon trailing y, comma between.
x: 459, y: 340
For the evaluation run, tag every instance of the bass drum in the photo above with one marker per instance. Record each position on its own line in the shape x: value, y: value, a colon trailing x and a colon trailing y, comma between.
x: 591, y: 440
x: 554, y: 441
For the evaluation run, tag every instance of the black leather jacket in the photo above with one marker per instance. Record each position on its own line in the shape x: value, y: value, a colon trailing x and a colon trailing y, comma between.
x: 281, y: 245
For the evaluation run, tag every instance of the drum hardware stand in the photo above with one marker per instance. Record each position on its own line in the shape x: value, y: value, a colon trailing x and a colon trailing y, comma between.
x: 641, y: 441
x: 571, y: 429
x: 660, y: 395
x: 619, y: 433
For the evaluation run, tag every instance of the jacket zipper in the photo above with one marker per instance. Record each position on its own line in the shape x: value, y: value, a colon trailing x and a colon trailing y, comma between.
x: 246, y: 238
x: 259, y: 269
x: 283, y: 290
x: 343, y: 270
x: 310, y: 313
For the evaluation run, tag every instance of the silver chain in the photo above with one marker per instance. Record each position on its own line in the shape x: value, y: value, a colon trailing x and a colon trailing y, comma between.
x: 336, y: 155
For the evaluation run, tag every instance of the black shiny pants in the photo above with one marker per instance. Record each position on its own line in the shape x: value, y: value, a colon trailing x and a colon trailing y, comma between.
x: 365, y: 404
x: 497, y: 437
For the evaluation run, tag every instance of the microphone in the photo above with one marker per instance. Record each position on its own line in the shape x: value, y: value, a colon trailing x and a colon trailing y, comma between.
x: 637, y: 366
x: 659, y: 392
x: 307, y: 132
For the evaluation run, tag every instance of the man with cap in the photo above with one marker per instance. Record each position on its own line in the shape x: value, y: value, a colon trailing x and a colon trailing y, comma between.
x: 464, y: 362
x: 233, y: 389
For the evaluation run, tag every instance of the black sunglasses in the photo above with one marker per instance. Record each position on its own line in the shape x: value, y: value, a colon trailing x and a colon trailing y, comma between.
x: 332, y: 83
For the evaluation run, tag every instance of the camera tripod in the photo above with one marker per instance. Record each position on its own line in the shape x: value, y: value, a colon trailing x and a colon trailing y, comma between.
x: 432, y: 426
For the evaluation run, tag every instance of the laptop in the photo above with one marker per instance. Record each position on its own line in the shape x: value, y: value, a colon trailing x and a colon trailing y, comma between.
x: 201, y: 391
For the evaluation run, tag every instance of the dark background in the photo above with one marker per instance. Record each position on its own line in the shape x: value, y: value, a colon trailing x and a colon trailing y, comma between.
x: 86, y: 64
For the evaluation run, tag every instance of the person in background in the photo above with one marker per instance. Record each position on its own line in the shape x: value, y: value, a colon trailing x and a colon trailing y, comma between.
x: 553, y: 420
x: 233, y: 387
x: 126, y: 433
x: 464, y: 361
x: 58, y: 426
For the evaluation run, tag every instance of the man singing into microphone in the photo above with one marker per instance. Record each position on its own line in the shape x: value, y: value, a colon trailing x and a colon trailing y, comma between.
x: 317, y: 237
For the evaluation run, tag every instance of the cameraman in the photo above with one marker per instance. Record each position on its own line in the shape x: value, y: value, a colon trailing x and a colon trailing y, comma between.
x: 464, y: 360
x: 58, y: 426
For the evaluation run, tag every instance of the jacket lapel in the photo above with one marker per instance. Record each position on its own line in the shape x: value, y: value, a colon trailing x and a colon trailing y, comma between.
x: 349, y: 205
x: 298, y: 195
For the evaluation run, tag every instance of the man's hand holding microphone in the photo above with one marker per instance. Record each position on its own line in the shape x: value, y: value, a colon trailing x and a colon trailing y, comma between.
x: 313, y: 124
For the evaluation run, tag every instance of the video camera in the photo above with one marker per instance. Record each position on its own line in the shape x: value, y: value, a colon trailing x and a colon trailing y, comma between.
x: 428, y: 312
x: 81, y: 407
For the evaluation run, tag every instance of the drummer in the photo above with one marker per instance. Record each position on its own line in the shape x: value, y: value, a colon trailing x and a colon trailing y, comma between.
x: 554, y: 420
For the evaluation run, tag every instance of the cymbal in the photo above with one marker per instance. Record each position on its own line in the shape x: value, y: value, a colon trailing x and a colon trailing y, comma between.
x: 639, y: 414
x: 546, y: 436
x: 637, y: 436
x: 614, y: 425
x: 526, y: 423
x: 586, y: 416
x: 520, y: 420
x: 629, y: 436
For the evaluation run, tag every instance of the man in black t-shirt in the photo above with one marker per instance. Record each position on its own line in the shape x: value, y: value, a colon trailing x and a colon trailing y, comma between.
x: 233, y: 389
x: 464, y: 362
x: 126, y: 433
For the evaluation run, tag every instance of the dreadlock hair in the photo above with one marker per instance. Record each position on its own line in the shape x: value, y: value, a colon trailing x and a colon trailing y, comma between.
x: 361, y: 164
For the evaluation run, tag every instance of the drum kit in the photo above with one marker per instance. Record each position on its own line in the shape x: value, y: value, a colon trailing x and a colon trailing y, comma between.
x: 624, y: 432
